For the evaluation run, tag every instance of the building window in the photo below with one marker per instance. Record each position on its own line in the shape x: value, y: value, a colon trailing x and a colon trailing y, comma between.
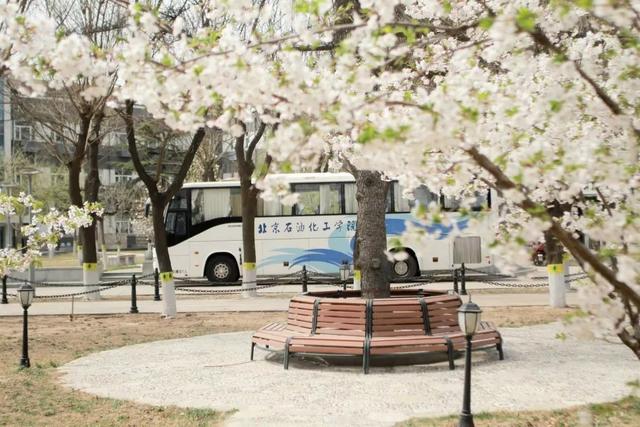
x: 123, y: 175
x: 119, y: 138
x: 22, y: 132
x: 124, y: 227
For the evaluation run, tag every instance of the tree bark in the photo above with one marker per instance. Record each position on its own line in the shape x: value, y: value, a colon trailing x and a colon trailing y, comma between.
x: 372, y: 237
x: 91, y: 188
x: 553, y: 249
x: 159, y: 234
x: 159, y: 201
x: 249, y: 197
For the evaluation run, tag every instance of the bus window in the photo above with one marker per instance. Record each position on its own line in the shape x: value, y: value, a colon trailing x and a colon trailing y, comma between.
x: 350, y: 203
x: 170, y: 222
x: 210, y: 203
x: 235, y: 202
x: 269, y: 207
x: 425, y: 197
x: 308, y: 199
x: 179, y: 201
x: 450, y: 203
x: 181, y: 224
x: 330, y: 199
x: 401, y: 204
x: 480, y: 202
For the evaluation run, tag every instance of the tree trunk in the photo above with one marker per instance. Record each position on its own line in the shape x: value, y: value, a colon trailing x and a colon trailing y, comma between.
x: 162, y: 253
x: 372, y: 237
x: 162, y: 250
x: 91, y: 188
x: 249, y: 197
x: 74, y: 167
x: 553, y: 249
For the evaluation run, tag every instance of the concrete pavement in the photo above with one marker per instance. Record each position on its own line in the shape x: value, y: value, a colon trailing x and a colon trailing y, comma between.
x: 238, y: 303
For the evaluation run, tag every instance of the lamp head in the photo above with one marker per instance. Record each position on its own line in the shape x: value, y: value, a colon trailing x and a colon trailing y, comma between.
x: 26, y: 293
x: 469, y: 317
x: 344, y: 271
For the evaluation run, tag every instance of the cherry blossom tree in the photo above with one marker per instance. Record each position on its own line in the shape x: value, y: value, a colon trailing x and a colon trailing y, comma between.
x: 45, y: 229
x: 536, y: 99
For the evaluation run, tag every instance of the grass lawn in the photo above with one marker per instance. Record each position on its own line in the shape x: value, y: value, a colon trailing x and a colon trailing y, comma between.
x: 70, y: 259
x: 33, y: 396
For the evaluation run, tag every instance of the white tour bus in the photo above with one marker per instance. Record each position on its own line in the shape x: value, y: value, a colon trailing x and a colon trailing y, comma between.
x: 204, y: 230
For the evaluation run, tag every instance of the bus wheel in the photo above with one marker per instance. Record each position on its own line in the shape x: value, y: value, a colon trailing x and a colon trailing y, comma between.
x: 222, y: 268
x: 402, y: 269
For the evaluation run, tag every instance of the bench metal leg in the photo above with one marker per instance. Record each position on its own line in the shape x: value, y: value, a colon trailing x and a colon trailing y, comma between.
x: 286, y: 353
x: 366, y: 354
x: 452, y: 365
x: 499, y: 346
x: 253, y: 346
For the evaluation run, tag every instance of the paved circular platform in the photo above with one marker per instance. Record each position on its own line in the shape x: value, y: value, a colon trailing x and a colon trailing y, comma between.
x: 213, y: 371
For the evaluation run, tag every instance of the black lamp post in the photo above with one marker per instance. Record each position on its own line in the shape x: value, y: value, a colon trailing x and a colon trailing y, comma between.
x: 25, y: 298
x: 344, y: 274
x: 468, y: 319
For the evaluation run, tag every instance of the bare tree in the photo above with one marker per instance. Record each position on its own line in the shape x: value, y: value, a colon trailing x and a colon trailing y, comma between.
x: 159, y: 194
x: 207, y: 163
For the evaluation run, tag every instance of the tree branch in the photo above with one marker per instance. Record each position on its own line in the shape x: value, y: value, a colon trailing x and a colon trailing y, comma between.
x: 255, y: 140
x: 187, y: 160
x: 576, y: 248
x: 151, y: 185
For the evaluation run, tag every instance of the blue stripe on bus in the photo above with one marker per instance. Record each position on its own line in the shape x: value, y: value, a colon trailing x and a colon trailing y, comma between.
x: 316, y: 258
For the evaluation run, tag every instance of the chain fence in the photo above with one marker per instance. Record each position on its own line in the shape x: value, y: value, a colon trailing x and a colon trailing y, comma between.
x: 304, y: 278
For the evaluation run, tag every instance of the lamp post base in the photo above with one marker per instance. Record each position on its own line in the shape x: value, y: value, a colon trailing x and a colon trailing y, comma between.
x: 466, y: 420
x: 25, y: 363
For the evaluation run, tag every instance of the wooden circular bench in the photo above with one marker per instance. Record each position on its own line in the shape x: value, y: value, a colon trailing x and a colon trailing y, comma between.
x: 423, y: 323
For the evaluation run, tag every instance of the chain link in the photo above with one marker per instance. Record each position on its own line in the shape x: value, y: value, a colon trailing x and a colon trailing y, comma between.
x: 75, y: 294
x: 317, y: 279
x: 223, y: 291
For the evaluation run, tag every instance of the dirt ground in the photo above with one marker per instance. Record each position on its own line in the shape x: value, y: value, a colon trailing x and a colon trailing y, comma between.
x: 624, y: 413
x: 33, y: 397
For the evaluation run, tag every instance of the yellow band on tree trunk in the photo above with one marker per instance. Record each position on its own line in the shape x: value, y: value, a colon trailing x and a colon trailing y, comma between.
x: 357, y: 274
x: 249, y: 265
x: 167, y: 276
x: 89, y: 266
x: 555, y: 268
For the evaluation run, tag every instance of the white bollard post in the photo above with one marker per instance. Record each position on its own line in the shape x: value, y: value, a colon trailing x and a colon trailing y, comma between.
x: 249, y: 280
x: 147, y: 267
x: 168, y: 295
x: 91, y: 280
x: 557, y: 289
x: 147, y: 264
x: 104, y: 257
